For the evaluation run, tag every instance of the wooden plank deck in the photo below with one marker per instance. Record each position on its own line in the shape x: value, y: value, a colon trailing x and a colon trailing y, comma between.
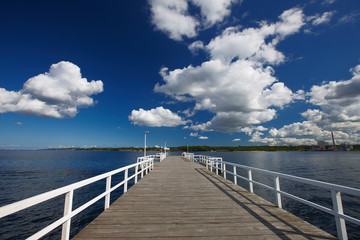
x: 182, y: 200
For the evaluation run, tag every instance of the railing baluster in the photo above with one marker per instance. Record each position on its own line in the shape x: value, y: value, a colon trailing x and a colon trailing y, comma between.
x: 136, y: 173
x: 251, y: 188
x: 107, y: 196
x: 65, y: 235
x: 235, y: 177
x: 217, y: 168
x: 126, y: 180
x: 142, y: 170
x: 338, y: 208
x: 277, y: 194
x: 224, y: 170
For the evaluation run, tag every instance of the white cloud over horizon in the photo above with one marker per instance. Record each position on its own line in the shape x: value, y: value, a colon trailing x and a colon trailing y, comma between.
x: 57, y: 93
x: 157, y: 117
x: 237, y: 84
x: 339, y: 112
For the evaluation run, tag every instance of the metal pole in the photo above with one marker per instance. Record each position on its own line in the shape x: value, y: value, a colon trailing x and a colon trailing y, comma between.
x: 145, y: 143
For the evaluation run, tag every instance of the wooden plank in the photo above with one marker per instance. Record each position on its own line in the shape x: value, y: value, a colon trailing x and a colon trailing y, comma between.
x: 182, y: 200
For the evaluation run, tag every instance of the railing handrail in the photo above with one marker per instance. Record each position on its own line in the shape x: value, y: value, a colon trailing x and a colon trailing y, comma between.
x: 146, y: 165
x: 328, y: 186
x: 335, y: 189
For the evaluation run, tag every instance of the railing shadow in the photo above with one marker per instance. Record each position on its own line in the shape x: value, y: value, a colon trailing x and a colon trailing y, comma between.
x: 281, y: 233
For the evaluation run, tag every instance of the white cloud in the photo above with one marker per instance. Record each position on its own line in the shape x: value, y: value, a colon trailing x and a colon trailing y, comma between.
x: 196, y: 46
x: 158, y: 117
x: 256, y: 137
x: 250, y: 130
x: 242, y: 86
x: 193, y: 134
x: 189, y: 112
x: 214, y: 11
x: 350, y: 18
x: 236, y: 140
x: 340, y: 113
x: 172, y: 17
x: 203, y: 137
x: 236, y: 84
x: 339, y: 102
x: 57, y: 93
x: 324, y: 18
x: 329, y: 1
x: 301, y: 133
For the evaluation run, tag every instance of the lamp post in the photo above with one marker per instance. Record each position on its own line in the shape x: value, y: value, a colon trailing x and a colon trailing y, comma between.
x: 145, y: 143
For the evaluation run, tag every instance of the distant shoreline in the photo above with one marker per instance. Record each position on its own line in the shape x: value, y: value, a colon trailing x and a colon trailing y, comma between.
x: 207, y: 149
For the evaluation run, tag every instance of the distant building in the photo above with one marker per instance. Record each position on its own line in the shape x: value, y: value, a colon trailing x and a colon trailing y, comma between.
x: 323, y: 145
x: 346, y: 147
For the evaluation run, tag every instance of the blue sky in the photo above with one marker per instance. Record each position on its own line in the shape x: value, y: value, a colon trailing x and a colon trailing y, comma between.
x: 197, y: 72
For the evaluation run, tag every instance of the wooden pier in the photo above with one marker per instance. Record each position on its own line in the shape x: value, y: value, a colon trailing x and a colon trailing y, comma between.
x: 180, y: 199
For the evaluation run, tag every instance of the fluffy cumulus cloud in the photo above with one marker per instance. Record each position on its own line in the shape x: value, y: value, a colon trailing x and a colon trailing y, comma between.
x: 339, y: 103
x: 257, y: 44
x: 213, y: 11
x: 237, y: 83
x: 58, y: 93
x: 158, y: 117
x: 173, y: 18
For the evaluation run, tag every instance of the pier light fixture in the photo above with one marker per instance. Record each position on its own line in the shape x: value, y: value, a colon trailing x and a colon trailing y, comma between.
x: 145, y: 143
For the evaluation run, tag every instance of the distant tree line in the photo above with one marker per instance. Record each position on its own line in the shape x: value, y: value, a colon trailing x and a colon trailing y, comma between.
x: 208, y: 148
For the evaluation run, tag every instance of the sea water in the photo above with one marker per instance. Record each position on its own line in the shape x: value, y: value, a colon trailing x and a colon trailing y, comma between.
x: 24, y: 174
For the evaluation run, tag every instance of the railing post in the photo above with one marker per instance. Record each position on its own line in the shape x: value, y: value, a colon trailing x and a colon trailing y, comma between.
x: 251, y: 188
x: 235, y: 177
x: 211, y: 165
x: 142, y: 170
x: 277, y: 194
x: 126, y: 180
x: 338, y: 208
x: 107, y: 196
x: 217, y: 168
x: 136, y: 173
x: 207, y: 167
x: 65, y: 235
x: 224, y: 170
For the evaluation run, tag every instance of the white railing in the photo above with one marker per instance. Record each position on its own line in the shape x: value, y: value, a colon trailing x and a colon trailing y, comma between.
x: 158, y: 156
x: 336, y: 190
x: 141, y: 167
